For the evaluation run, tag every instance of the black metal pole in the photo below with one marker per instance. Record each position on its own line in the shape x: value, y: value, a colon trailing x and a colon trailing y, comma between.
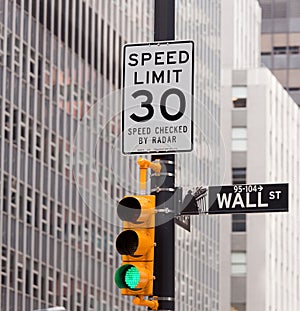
x: 163, y: 186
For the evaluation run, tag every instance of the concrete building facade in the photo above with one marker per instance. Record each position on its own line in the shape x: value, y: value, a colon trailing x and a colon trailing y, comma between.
x: 260, y: 127
x: 264, y: 143
x: 280, y: 47
x: 241, y: 24
x: 197, y: 252
x: 60, y: 69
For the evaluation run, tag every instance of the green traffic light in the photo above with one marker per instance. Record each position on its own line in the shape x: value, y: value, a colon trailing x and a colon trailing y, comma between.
x: 132, y: 277
x: 127, y: 276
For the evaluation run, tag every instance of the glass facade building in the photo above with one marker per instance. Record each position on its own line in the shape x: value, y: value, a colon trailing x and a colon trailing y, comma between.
x: 280, y: 42
x: 61, y: 168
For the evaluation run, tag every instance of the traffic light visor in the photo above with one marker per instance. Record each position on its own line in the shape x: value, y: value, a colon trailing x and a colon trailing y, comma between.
x: 127, y: 242
x: 136, y: 243
x: 129, y: 209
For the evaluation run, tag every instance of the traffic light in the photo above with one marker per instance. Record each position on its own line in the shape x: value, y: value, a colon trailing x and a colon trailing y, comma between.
x: 136, y: 245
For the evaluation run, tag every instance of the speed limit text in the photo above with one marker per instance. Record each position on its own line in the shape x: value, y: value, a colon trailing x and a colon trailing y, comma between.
x: 158, y: 58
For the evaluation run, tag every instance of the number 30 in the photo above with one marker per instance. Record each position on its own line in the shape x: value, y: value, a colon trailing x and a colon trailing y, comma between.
x: 163, y: 109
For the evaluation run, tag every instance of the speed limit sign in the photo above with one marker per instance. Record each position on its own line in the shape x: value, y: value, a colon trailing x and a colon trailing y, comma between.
x: 157, y: 115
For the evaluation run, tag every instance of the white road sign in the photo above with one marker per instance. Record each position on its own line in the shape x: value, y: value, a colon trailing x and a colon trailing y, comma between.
x: 157, y: 114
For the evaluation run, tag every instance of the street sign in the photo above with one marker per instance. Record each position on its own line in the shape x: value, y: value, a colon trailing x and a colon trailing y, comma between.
x: 157, y: 111
x: 251, y: 198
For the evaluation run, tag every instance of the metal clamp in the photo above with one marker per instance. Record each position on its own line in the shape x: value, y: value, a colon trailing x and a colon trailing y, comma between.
x: 171, y: 299
x: 166, y: 162
x: 158, y: 189
x: 165, y: 298
x: 163, y: 174
x: 164, y: 210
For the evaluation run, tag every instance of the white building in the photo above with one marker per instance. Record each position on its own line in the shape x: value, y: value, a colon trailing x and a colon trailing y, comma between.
x: 197, y: 252
x: 241, y: 23
x: 265, y: 143
x: 260, y: 126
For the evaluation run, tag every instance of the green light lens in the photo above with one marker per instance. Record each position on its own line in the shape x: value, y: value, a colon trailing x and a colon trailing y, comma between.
x: 132, y: 277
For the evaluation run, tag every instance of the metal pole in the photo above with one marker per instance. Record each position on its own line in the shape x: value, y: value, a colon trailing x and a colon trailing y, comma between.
x: 164, y: 260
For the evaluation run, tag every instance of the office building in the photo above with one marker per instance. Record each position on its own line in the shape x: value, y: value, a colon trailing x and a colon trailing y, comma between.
x: 60, y: 69
x: 240, y: 49
x: 241, y: 24
x: 260, y: 126
x: 197, y: 252
x: 58, y: 59
x: 280, y: 42
x: 264, y: 142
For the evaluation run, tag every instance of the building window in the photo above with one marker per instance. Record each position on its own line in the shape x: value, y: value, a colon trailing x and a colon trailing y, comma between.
x: 239, y: 139
x: 266, y: 10
x: 279, y: 50
x: 239, y: 220
x: 238, y: 175
x: 239, y: 96
x: 238, y: 307
x: 265, y: 53
x: 293, y: 89
x: 238, y: 223
x: 280, y: 10
x: 238, y: 263
x: 294, y: 49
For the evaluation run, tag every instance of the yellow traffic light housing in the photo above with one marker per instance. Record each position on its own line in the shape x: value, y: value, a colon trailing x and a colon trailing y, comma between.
x: 136, y: 245
x: 136, y: 242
